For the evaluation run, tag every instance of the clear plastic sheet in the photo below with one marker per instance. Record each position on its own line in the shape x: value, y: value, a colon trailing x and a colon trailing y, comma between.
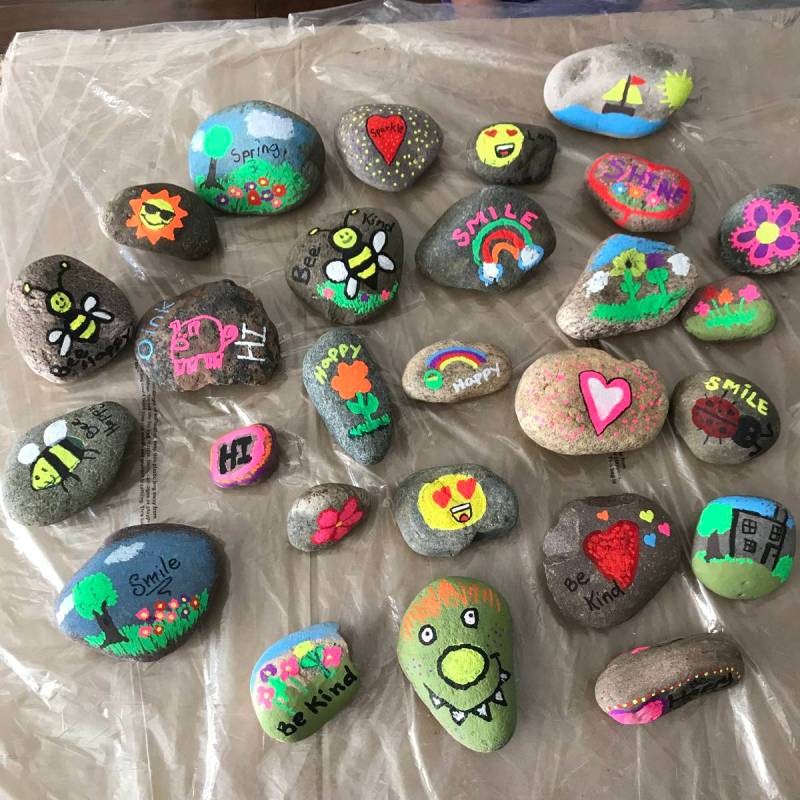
x: 84, y: 114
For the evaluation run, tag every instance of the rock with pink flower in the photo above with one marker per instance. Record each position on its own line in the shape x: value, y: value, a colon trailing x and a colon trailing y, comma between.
x: 760, y: 234
x: 729, y: 309
x: 325, y: 514
x: 302, y: 681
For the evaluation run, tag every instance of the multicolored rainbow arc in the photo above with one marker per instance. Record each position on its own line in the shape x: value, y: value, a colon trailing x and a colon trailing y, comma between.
x: 504, y: 236
x: 442, y: 359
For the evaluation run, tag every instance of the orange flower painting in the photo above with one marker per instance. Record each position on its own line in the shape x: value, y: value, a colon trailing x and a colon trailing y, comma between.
x: 350, y: 379
x: 725, y: 297
x: 156, y: 216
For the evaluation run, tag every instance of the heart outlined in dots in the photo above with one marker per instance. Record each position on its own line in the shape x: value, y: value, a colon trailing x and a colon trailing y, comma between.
x: 647, y: 515
x: 387, y: 134
x: 650, y: 539
x: 605, y: 400
x: 664, y: 528
x: 615, y: 551
x: 602, y: 515
x: 466, y: 487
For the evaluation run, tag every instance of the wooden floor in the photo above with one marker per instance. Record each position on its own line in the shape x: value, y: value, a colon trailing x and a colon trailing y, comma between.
x: 29, y: 15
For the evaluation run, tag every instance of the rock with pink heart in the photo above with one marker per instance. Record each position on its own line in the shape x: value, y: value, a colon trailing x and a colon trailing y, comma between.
x: 442, y: 510
x: 325, y: 514
x: 605, y: 558
x: 630, y: 284
x: 641, y: 685
x: 511, y: 152
x: 585, y: 401
x: 387, y: 146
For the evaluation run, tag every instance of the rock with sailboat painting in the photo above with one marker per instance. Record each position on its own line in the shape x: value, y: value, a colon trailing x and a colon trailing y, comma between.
x: 625, y: 90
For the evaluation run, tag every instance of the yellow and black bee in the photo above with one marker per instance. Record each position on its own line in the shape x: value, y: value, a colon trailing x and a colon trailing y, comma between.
x: 361, y: 261
x: 57, y: 461
x: 78, y: 324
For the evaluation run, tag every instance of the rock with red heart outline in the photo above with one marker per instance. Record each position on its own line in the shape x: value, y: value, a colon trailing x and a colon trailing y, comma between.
x: 442, y: 510
x: 511, y: 152
x: 387, y: 146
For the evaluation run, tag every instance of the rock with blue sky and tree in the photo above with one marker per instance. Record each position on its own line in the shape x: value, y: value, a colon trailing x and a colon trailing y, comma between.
x: 255, y: 158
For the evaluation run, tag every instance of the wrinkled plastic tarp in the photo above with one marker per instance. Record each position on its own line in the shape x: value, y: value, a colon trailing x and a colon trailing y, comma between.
x: 84, y: 114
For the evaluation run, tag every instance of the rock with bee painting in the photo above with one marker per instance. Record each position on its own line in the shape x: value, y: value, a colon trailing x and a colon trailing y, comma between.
x: 61, y: 466
x: 143, y: 592
x: 345, y: 385
x: 161, y: 218
x: 511, y: 152
x: 66, y: 319
x: 325, y: 514
x: 728, y: 310
x: 724, y: 418
x: 217, y: 333
x: 302, y: 681
x: 255, y: 158
x: 624, y: 89
x: 348, y: 266
x: 489, y: 241
x: 387, y: 146
x: 639, y: 195
x: 442, y: 510
x: 630, y: 284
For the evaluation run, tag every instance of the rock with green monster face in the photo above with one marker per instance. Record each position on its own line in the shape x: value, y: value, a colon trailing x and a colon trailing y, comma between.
x: 455, y: 648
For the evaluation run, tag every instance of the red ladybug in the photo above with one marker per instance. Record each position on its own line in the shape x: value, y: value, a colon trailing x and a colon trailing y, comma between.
x: 717, y: 417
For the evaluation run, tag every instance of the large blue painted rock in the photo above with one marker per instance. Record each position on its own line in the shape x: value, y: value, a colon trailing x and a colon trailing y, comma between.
x: 142, y: 593
x: 255, y: 158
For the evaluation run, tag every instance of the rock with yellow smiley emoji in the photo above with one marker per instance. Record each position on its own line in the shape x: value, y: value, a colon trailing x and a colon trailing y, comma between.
x: 511, y: 152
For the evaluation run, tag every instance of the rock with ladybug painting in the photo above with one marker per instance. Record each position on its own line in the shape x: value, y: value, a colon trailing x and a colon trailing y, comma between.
x: 61, y: 466
x: 143, y: 592
x: 161, y: 218
x: 724, y: 418
x: 66, y: 319
x: 585, y: 401
x: 512, y: 152
x: 605, y: 558
x: 323, y: 515
x: 442, y: 510
x: 388, y: 146
x: 347, y: 267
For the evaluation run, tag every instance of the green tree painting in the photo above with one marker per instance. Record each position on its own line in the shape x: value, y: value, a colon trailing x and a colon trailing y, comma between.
x: 216, y: 142
x: 93, y: 596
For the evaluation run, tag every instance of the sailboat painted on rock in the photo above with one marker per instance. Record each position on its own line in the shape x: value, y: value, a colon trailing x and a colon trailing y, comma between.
x: 624, y: 96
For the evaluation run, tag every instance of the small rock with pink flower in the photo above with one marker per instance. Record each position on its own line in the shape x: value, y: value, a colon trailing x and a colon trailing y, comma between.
x: 325, y: 514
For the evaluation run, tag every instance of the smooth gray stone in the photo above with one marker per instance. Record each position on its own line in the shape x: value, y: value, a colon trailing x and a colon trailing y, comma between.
x: 325, y: 514
x: 512, y: 152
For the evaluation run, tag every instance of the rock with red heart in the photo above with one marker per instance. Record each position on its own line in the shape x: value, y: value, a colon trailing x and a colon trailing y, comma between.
x: 387, y: 146
x: 648, y: 681
x: 244, y: 456
x: 511, y: 152
x: 630, y: 284
x: 325, y: 514
x: 605, y: 558
x: 442, y: 510
x: 639, y: 195
x: 585, y: 401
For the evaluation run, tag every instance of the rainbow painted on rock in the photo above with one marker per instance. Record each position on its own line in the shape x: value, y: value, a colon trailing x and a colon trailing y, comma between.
x: 442, y: 359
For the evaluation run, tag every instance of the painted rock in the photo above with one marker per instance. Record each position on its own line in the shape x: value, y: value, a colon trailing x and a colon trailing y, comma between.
x: 640, y: 686
x: 217, y: 333
x: 449, y: 371
x: 387, y: 147
x: 344, y: 384
x: 606, y: 557
x: 66, y: 319
x: 161, y: 218
x: 630, y: 284
x: 302, y: 681
x: 729, y: 309
x: 442, y: 510
x: 724, y: 418
x: 348, y: 267
x: 512, y: 152
x: 142, y: 594
x: 256, y: 158
x: 325, y: 514
x: 244, y: 456
x: 743, y: 547
x: 455, y: 649
x: 584, y: 401
x: 625, y: 90
x: 490, y: 241
x: 639, y: 195
x: 61, y: 466
x: 761, y: 232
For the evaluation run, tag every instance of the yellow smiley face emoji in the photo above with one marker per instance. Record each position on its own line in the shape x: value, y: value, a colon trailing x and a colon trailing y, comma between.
x: 451, y: 502
x: 499, y: 144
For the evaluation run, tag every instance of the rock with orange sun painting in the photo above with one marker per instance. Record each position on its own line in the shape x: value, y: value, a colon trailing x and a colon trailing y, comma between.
x: 162, y: 218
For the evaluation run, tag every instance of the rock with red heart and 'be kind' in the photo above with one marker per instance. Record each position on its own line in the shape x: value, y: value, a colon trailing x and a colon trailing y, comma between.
x: 387, y: 146
x: 605, y: 558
